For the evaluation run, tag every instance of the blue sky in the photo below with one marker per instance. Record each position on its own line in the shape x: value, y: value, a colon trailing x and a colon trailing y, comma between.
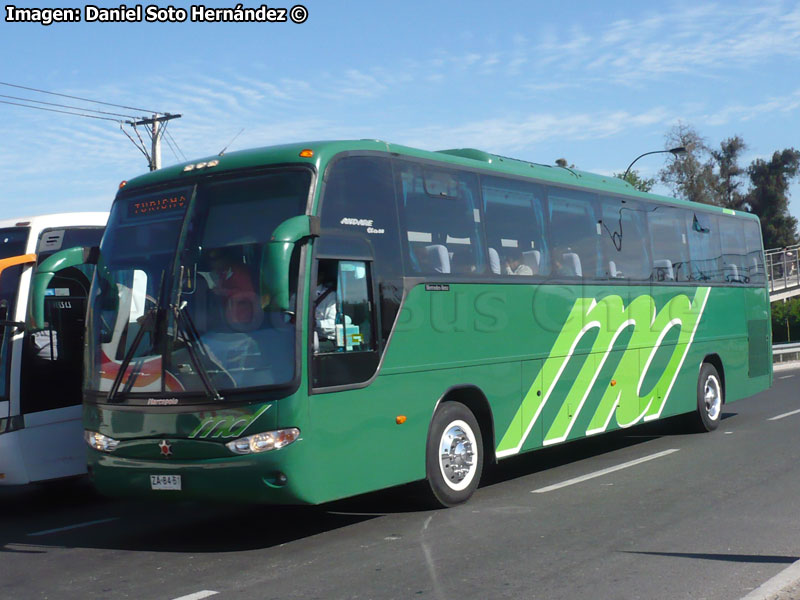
x: 595, y: 82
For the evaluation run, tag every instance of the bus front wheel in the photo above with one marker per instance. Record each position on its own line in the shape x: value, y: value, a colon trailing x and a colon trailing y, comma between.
x: 709, y: 399
x: 454, y: 454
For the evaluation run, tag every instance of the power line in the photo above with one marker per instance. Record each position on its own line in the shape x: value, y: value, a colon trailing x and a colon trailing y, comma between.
x: 22, y: 87
x: 174, y: 141
x: 140, y: 148
x: 172, y: 149
x: 155, y: 125
x: 61, y: 111
x: 169, y: 143
x: 101, y: 112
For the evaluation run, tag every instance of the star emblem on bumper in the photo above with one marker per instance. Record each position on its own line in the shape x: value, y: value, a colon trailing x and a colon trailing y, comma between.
x: 166, y: 448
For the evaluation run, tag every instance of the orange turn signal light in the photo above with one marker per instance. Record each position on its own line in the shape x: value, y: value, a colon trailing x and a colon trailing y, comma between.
x: 400, y: 419
x: 613, y: 382
x: 307, y: 153
x: 122, y: 184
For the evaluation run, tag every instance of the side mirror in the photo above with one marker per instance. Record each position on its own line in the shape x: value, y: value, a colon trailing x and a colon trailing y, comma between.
x: 64, y: 259
x: 276, y: 258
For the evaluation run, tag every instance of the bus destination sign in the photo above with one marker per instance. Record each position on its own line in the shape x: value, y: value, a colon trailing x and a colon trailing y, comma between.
x: 164, y: 204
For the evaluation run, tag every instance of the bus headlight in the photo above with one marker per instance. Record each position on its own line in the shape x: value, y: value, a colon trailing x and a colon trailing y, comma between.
x: 101, y: 442
x: 264, y: 442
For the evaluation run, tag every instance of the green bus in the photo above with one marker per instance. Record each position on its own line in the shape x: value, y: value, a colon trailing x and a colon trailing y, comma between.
x: 307, y: 322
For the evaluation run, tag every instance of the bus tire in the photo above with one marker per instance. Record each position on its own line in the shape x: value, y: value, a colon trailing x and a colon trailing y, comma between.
x: 709, y: 399
x: 454, y: 455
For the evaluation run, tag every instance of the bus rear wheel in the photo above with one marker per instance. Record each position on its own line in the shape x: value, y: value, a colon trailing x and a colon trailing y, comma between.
x: 454, y: 455
x: 709, y: 399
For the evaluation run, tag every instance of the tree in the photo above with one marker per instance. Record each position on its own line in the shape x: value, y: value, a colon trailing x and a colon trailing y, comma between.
x: 692, y: 176
x: 768, y: 196
x: 786, y: 321
x: 640, y: 183
x: 730, y: 174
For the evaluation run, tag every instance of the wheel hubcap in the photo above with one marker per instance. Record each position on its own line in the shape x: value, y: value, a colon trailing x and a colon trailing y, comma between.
x: 457, y: 455
x: 713, y: 398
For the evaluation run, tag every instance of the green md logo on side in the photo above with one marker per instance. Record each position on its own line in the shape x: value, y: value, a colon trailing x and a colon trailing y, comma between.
x: 622, y: 400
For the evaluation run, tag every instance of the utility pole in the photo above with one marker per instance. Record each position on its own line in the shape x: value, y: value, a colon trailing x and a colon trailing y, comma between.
x: 156, y: 130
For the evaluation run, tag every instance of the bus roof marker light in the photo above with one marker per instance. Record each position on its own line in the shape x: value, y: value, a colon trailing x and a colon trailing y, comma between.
x: 400, y: 419
x: 306, y: 153
x: 122, y: 184
x: 188, y: 168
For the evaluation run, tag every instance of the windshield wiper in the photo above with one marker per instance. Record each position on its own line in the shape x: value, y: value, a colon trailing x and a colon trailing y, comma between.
x: 195, y: 348
x: 147, y: 322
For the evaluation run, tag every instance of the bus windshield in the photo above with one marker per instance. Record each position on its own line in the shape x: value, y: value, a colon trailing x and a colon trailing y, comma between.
x: 13, y: 241
x: 179, y: 306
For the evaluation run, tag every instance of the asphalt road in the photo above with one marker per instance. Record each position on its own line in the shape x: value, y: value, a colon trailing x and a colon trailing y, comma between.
x: 705, y: 516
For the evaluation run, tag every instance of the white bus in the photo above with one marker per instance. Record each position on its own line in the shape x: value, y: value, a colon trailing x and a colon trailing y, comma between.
x: 41, y: 436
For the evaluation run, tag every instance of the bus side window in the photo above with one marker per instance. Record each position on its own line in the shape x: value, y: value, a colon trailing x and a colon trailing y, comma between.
x: 359, y: 199
x: 734, y: 264
x: 440, y: 218
x: 623, y: 234
x: 343, y: 323
x: 704, y: 247
x: 670, y: 246
x: 514, y: 222
x: 754, y: 262
x: 574, y: 234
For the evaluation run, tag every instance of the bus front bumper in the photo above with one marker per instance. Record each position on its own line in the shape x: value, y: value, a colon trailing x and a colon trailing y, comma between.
x: 248, y: 479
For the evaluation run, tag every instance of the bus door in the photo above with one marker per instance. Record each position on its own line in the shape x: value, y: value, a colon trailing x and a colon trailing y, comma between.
x: 52, y: 366
x: 12, y: 263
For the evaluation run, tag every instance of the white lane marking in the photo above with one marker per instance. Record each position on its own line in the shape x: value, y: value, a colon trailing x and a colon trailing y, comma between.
x: 602, y: 472
x: 68, y: 527
x: 784, y: 415
x: 198, y: 595
x: 786, y: 377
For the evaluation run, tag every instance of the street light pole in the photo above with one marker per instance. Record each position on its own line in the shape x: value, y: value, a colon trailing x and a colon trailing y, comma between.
x: 674, y: 151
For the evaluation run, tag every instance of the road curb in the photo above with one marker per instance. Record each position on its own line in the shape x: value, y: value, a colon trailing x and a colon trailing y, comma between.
x: 785, y: 579
x: 786, y: 365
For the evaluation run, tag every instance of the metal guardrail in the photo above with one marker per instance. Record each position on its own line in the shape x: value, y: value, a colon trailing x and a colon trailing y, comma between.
x: 783, y: 268
x: 785, y: 352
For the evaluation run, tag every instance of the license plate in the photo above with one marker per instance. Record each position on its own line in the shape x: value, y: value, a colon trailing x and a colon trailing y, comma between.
x: 165, y: 482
